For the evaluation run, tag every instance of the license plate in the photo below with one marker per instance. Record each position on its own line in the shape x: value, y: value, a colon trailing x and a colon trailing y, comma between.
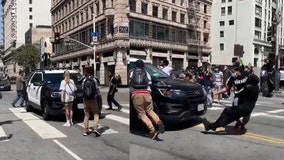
x: 200, y: 107
x: 80, y: 106
x: 1, y: 86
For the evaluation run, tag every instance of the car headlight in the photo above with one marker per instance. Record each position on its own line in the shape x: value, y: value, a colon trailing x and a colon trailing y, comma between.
x: 55, y: 94
x: 169, y: 92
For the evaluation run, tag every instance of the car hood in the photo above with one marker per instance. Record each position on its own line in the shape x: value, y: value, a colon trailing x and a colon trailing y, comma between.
x: 4, y: 82
x: 179, y: 84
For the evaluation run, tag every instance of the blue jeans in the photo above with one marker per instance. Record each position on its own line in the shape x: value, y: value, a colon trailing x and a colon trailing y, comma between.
x: 209, y: 95
x: 19, y: 97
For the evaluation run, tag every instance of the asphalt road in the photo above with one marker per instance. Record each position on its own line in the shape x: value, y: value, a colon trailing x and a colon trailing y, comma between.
x: 263, y: 140
x: 26, y: 136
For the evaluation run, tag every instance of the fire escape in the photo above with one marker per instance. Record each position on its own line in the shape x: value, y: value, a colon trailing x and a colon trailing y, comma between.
x: 193, y: 39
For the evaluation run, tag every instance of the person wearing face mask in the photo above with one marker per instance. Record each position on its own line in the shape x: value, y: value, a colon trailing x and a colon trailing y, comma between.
x: 246, y: 94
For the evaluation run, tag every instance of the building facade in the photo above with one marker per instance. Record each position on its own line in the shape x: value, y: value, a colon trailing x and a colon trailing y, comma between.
x: 73, y: 19
x: 231, y: 26
x: 17, y: 17
x: 176, y: 30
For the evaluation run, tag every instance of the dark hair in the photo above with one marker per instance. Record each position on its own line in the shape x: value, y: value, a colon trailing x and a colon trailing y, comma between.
x: 166, y: 62
x: 139, y: 63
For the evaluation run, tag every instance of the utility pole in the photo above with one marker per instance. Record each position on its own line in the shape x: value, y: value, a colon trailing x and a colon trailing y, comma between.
x: 277, y: 19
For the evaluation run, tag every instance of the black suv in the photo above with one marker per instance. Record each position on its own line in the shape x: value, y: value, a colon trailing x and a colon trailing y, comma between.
x: 43, y: 92
x: 174, y: 100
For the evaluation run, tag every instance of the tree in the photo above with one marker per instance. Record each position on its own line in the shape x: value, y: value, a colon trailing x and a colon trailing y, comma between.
x: 28, y: 57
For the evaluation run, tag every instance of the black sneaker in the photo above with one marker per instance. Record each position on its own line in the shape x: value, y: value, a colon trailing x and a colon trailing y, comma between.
x: 119, y: 108
x: 154, y: 135
x: 109, y: 109
x: 161, y: 127
x: 97, y: 133
x: 206, y: 124
x: 13, y: 105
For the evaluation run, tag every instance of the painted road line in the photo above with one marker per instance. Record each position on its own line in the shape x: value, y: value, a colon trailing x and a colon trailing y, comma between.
x: 276, y: 111
x: 122, y: 110
x: 215, y: 108
x: 67, y: 150
x: 258, y: 114
x: 274, y: 116
x: 125, y: 104
x: 104, y: 129
x: 42, y: 128
x: 3, y: 136
x: 118, y: 119
x: 252, y: 136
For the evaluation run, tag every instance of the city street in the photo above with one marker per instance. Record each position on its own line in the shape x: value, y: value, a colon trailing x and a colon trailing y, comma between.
x: 26, y: 136
x: 264, y: 139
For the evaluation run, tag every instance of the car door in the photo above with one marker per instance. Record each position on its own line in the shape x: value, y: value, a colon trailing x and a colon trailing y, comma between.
x: 34, y: 87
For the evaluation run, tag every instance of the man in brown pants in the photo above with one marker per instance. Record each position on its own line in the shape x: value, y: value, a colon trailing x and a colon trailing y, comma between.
x: 89, y: 87
x: 142, y: 100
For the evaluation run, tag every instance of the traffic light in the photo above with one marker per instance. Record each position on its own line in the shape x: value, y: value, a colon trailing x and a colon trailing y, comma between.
x: 56, y: 37
x: 98, y: 58
x: 269, y: 34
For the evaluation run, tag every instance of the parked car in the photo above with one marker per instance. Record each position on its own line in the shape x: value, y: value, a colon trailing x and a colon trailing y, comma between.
x: 5, y: 85
x: 43, y: 92
x: 174, y: 100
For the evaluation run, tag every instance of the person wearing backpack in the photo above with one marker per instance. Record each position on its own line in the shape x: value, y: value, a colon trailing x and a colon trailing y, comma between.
x: 142, y: 99
x: 90, y: 93
x: 67, y: 88
x: 111, y: 93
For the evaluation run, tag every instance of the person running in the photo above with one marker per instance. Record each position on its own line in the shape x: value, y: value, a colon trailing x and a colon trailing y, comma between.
x: 90, y: 93
x: 246, y: 95
x: 68, y: 88
x: 142, y: 100
x: 111, y: 93
x: 20, y: 89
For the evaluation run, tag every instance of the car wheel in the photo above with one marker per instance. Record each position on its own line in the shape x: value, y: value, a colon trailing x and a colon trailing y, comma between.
x: 45, y: 109
x: 28, y: 107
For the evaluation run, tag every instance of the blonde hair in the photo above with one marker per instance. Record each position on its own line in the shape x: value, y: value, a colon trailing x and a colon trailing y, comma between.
x: 66, y: 76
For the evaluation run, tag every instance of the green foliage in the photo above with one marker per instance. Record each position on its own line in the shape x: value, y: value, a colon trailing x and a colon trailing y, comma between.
x: 28, y: 57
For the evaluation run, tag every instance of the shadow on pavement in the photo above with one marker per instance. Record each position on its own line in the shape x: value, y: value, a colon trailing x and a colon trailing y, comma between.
x: 228, y: 130
x: 9, y: 121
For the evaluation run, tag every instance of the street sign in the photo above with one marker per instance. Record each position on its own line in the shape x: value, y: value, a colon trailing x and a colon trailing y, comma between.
x: 95, y: 34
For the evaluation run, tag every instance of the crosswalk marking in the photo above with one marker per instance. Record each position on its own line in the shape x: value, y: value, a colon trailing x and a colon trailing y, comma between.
x: 102, y: 129
x: 42, y: 128
x: 3, y: 136
x: 118, y: 119
x: 122, y: 110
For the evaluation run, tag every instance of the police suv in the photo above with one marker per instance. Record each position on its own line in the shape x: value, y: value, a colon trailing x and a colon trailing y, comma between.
x: 43, y: 92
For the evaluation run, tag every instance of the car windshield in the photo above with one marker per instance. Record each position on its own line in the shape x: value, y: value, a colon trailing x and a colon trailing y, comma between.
x: 155, y: 72
x: 56, y: 78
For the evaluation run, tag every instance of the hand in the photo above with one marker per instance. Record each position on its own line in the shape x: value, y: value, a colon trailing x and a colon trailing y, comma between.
x: 215, y: 92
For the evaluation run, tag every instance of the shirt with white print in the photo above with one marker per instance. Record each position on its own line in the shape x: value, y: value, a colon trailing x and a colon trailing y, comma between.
x: 69, y: 89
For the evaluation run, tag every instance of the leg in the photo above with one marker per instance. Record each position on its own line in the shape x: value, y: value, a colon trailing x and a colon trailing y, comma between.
x: 16, y: 99
x: 86, y: 117
x: 116, y: 103
x: 109, y: 101
x: 71, y: 113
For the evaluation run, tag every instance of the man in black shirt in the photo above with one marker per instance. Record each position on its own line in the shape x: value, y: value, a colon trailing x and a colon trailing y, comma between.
x: 112, y: 90
x: 246, y: 94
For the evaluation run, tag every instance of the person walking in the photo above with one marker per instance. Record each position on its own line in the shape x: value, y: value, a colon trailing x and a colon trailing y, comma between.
x: 111, y: 93
x: 67, y: 88
x: 90, y: 93
x: 167, y: 68
x: 20, y: 89
x: 142, y: 100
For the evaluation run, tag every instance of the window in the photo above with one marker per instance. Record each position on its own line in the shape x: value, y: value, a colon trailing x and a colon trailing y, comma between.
x: 257, y: 35
x: 223, y: 1
x: 205, y: 8
x: 230, y: 10
x: 222, y: 23
x: 104, y: 4
x: 204, y: 24
x: 174, y: 16
x: 221, y: 33
x: 221, y: 46
x: 144, y: 9
x: 258, y: 22
x: 258, y: 11
x: 30, y: 9
x: 132, y: 5
x: 182, y: 18
x: 31, y: 1
x: 181, y: 2
x: 139, y: 29
x: 231, y: 22
x: 155, y: 11
x: 165, y: 13
x: 31, y: 25
x: 223, y: 11
x: 31, y: 17
x: 37, y: 78
x: 173, y: 1
x: 229, y: 0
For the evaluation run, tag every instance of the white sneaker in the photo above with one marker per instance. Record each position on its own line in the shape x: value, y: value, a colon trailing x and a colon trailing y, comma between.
x: 71, y: 123
x: 67, y: 124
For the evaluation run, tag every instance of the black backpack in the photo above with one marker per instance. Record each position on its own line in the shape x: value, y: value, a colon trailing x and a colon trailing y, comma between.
x: 139, y: 79
x: 89, y: 88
